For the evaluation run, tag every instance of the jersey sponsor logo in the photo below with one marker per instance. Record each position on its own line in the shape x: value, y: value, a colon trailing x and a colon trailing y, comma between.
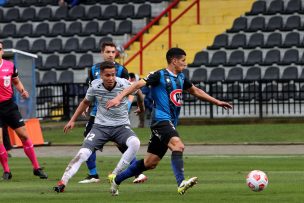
x: 7, y: 81
x: 96, y: 73
x: 176, y: 97
x: 5, y: 70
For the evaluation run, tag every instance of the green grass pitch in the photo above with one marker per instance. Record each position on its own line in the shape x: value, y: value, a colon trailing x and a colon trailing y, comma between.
x: 221, y: 179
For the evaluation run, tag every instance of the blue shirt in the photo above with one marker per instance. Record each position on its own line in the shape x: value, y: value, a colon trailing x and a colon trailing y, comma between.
x: 121, y: 72
x: 167, y: 90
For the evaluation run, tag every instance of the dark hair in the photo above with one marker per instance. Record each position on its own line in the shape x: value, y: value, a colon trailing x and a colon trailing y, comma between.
x: 108, y: 43
x: 106, y: 65
x: 132, y: 75
x: 174, y: 53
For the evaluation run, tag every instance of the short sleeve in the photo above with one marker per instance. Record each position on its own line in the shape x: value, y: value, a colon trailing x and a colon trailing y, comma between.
x: 15, y: 72
x: 187, y: 84
x: 90, y: 94
x: 125, y: 74
x: 153, y: 79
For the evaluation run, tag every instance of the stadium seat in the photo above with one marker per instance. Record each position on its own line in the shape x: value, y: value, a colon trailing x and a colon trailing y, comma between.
x: 293, y: 6
x: 7, y: 44
x: 44, y: 14
x: 253, y: 74
x: 218, y: 58
x: 255, y: 40
x: 55, y: 45
x: 12, y: 14
x: 238, y: 40
x: 94, y: 12
x: 126, y: 11
x: 107, y: 27
x: 301, y: 61
x: 50, y: 77
x: 290, y: 73
x: 27, y: 3
x: 201, y: 58
x: 257, y: 23
x: 186, y: 72
x: 300, y: 96
x: 234, y: 91
x: 12, y: 3
x: 291, y: 39
x: 122, y: 1
x: 85, y: 61
x: 124, y: 27
x: 39, y: 63
x: 220, y: 41
x: 110, y: 11
x: 274, y: 23
x: 276, y: 6
x: 258, y: 7
x: 25, y: 30
x: 88, y: 44
x: 217, y: 91
x: 199, y: 75
x: 290, y: 56
x: 57, y: 29
x: 144, y: 11
x: 37, y: 78
x: 68, y: 61
x: 72, y: 44
x: 76, y: 12
x: 73, y: 29
x: 38, y: 45
x: 239, y: 24
x: 292, y: 22
x: 272, y: 73
x: 61, y: 13
x: 45, y: 96
x: 66, y: 77
x: 217, y: 74
x: 273, y: 40
x: 236, y: 57
x: 251, y: 92
x: 301, y: 77
x: 51, y: 61
x: 9, y: 30
x: 270, y: 91
x: 289, y: 91
x: 23, y: 45
x: 272, y: 57
x: 28, y: 14
x: 235, y: 74
x: 42, y: 29
x: 91, y: 28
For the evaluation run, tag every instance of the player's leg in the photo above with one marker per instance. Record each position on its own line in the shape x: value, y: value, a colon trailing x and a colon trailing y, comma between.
x: 74, y: 165
x: 93, y: 176
x: 15, y: 121
x: 4, y: 158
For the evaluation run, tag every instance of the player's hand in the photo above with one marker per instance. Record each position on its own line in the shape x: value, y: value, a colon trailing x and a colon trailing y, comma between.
x: 24, y: 94
x: 113, y: 102
x: 85, y: 113
x: 68, y: 127
x: 139, y: 111
x: 225, y: 105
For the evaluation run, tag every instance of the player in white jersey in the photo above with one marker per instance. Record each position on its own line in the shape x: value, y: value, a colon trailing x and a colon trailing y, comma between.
x: 109, y: 125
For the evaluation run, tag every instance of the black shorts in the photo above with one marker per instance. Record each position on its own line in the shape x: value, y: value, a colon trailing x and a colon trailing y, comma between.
x: 162, y: 132
x: 89, y: 126
x: 10, y: 115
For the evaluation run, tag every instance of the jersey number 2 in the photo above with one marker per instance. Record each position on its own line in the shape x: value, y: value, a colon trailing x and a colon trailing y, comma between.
x: 90, y: 136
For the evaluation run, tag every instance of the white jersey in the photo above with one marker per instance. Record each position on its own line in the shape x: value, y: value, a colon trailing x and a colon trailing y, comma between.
x: 114, y: 116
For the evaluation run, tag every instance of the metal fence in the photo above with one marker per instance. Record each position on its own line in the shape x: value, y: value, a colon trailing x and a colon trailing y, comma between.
x: 250, y: 99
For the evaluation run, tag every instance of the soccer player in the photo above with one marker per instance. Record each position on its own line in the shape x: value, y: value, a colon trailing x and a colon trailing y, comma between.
x: 10, y: 116
x: 167, y: 86
x: 109, y: 125
x: 108, y: 51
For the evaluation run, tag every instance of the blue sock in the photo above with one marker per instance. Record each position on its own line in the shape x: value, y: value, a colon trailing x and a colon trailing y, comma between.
x: 133, y: 160
x: 133, y: 170
x: 177, y: 164
x: 91, y: 164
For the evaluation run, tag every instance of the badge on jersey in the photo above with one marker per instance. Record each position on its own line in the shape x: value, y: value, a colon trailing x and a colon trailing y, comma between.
x: 7, y: 81
x: 176, y: 97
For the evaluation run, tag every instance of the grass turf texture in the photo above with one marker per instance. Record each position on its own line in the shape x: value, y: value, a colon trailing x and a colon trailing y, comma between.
x: 221, y: 179
x: 214, y: 134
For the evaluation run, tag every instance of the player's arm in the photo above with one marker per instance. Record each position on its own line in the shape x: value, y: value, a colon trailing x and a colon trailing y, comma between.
x: 140, y: 102
x: 134, y: 87
x: 200, y: 94
x: 18, y: 84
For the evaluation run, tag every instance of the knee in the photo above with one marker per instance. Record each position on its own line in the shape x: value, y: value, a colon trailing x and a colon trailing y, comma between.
x: 150, y: 164
x: 83, y: 154
x: 134, y: 143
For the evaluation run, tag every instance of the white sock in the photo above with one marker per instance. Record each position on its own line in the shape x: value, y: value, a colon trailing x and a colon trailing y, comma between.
x: 75, y: 164
x: 133, y: 144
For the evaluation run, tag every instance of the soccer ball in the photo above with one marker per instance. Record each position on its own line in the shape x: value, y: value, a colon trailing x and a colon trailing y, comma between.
x: 257, y: 180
